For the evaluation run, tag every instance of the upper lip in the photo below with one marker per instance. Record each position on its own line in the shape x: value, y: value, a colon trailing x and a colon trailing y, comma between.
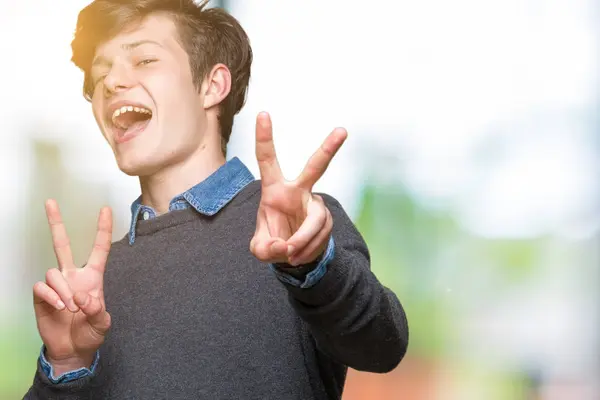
x: 122, y: 103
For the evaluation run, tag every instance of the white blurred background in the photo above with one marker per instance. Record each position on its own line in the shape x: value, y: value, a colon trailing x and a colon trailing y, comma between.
x: 471, y: 169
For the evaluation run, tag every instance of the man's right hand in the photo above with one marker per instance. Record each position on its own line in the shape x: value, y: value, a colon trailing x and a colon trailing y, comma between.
x: 69, y: 307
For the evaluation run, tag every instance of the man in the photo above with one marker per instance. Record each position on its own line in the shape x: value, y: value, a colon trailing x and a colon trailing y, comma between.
x: 225, y: 287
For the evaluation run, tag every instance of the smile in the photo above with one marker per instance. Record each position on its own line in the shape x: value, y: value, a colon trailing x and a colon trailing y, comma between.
x: 128, y: 120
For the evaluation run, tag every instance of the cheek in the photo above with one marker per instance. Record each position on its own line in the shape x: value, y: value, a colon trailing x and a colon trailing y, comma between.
x: 98, y: 119
x: 169, y: 90
x: 173, y: 80
x: 98, y: 112
x: 175, y: 98
x: 97, y: 115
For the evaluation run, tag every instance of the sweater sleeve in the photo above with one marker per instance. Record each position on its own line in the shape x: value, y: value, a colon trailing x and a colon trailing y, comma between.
x: 43, y: 388
x: 354, y: 318
x: 67, y: 376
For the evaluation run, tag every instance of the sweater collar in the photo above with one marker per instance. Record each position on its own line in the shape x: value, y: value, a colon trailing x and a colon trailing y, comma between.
x: 207, y: 197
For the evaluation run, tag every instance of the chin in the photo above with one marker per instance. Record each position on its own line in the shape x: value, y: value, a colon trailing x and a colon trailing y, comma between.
x: 137, y: 167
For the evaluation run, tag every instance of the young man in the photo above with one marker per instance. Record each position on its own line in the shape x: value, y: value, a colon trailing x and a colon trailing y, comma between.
x: 225, y: 287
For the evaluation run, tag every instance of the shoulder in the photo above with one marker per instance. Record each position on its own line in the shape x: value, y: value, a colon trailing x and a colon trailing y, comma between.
x: 120, y: 245
x: 248, y: 197
x: 252, y: 192
x: 331, y: 201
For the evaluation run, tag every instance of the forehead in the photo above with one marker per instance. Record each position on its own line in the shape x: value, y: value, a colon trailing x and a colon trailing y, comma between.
x: 158, y: 28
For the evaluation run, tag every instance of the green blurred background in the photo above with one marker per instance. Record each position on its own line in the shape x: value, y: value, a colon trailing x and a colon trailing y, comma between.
x: 471, y: 170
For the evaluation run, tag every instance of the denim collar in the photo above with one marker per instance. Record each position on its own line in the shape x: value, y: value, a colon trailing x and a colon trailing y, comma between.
x: 208, y: 197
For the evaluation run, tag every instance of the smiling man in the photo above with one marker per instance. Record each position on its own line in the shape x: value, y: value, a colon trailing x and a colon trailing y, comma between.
x: 225, y: 287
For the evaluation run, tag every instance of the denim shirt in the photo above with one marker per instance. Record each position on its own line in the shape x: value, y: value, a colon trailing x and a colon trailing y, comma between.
x: 208, y: 198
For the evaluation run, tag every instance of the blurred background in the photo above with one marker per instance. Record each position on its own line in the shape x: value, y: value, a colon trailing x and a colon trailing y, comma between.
x: 471, y: 169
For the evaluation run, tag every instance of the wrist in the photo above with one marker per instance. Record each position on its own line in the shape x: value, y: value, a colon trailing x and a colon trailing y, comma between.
x: 297, y: 271
x: 63, y: 365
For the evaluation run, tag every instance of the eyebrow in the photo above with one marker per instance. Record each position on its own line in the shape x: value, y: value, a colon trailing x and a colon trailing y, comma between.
x: 100, y: 60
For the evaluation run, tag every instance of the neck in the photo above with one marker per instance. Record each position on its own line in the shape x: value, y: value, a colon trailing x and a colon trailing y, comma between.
x: 159, y: 189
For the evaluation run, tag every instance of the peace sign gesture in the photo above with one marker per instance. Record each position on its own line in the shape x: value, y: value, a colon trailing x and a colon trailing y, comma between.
x: 293, y: 225
x: 69, y: 307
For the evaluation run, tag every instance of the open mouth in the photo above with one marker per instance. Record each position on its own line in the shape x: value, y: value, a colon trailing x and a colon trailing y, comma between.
x: 129, y: 120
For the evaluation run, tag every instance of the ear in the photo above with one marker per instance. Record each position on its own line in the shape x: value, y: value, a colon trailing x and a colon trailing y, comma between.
x: 216, y: 86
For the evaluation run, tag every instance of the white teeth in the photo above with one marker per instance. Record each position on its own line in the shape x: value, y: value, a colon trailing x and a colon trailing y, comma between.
x: 125, y: 109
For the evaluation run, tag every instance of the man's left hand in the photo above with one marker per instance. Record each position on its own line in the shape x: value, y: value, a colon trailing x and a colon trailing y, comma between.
x: 293, y: 225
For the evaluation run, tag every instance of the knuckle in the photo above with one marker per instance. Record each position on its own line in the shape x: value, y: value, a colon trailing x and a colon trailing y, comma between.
x: 39, y: 287
x: 68, y: 273
x: 323, y: 211
x: 61, y: 243
x: 107, y: 321
x: 51, y: 274
x: 101, y: 247
x: 64, y: 242
x: 262, y: 255
x: 89, y: 307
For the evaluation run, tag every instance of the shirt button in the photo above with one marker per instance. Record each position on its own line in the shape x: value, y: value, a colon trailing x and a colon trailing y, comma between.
x: 146, y: 215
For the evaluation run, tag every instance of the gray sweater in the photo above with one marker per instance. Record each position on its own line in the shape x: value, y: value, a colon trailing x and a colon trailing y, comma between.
x: 197, y: 316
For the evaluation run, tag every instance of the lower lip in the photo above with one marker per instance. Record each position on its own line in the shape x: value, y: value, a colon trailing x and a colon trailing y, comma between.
x: 131, y: 133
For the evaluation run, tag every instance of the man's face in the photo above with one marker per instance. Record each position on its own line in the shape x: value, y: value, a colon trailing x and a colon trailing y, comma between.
x: 145, y: 101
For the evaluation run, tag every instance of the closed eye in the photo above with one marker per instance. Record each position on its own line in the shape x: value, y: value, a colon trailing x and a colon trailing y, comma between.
x: 98, y: 80
x: 145, y: 62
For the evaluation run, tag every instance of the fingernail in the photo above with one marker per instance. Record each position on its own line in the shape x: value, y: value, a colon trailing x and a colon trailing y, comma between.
x: 72, y: 306
x: 60, y: 305
x: 290, y: 250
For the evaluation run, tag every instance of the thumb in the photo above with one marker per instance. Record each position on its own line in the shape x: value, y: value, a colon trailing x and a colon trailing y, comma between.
x: 93, y: 308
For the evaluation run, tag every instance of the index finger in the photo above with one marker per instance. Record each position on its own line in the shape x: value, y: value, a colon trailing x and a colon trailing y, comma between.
x: 270, y: 172
x: 60, y: 239
x: 318, y: 163
x: 102, y: 242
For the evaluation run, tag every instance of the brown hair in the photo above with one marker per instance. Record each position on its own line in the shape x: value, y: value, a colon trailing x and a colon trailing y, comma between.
x: 209, y: 36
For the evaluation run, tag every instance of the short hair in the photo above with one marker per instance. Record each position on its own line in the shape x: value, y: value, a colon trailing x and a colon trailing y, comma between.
x: 209, y: 36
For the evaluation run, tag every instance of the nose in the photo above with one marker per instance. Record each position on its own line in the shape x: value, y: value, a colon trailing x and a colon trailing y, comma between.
x: 118, y: 80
